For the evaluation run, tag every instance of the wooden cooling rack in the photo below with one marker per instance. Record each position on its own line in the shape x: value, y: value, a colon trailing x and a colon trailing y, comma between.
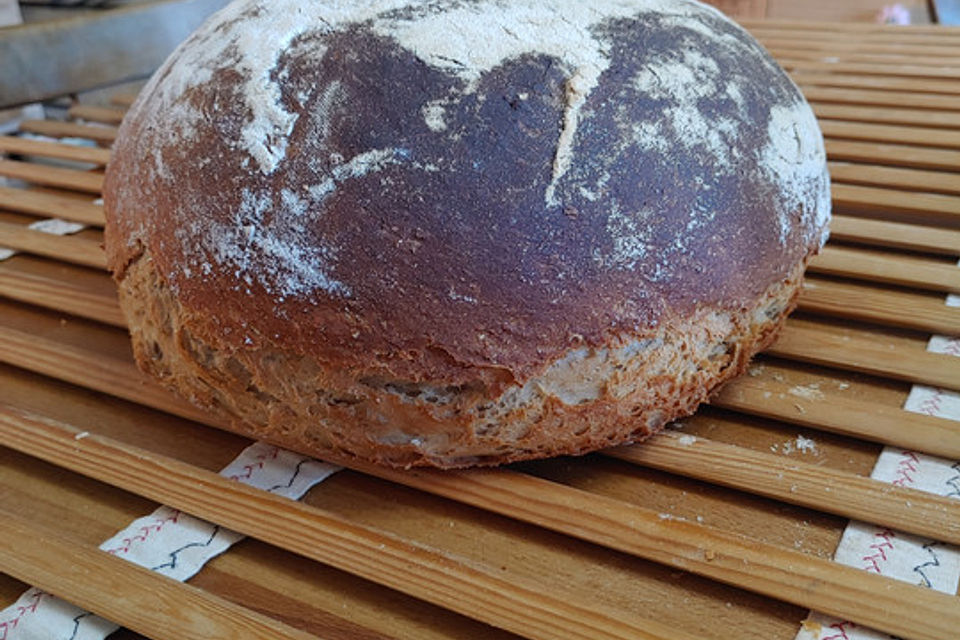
x: 727, y: 535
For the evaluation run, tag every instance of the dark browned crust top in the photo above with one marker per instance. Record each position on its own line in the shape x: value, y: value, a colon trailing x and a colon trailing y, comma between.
x: 446, y: 261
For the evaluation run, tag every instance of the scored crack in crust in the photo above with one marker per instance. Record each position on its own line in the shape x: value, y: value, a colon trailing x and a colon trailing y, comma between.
x: 587, y: 399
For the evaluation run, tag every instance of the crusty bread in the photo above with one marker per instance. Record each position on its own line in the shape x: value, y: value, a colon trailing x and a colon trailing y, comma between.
x: 461, y: 233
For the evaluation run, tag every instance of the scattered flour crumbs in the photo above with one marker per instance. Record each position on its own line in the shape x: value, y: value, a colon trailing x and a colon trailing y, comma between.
x: 801, y: 444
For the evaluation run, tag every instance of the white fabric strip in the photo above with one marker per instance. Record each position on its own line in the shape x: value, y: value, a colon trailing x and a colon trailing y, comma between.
x: 167, y: 541
x: 54, y: 226
x: 894, y: 554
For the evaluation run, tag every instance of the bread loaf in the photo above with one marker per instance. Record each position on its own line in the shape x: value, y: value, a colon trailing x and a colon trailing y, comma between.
x: 444, y: 233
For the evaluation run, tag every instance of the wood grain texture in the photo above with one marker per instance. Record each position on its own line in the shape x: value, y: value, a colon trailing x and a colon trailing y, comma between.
x: 863, y: 351
x: 897, y: 235
x: 920, y: 208
x: 130, y: 595
x: 877, y: 97
x: 892, y: 154
x: 891, y: 307
x: 801, y: 483
x: 56, y: 129
x: 925, y: 136
x: 323, y: 536
x: 52, y: 176
x: 48, y: 205
x: 836, y: 413
x: 887, y: 115
x: 887, y: 268
x: 43, y: 148
x: 56, y: 293
x: 94, y: 113
x: 900, y: 178
x: 76, y: 250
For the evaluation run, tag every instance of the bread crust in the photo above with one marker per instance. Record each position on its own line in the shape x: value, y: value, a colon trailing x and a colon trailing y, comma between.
x: 318, y: 229
x: 603, y: 397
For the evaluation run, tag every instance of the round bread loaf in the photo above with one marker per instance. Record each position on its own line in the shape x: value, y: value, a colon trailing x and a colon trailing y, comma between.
x: 461, y: 233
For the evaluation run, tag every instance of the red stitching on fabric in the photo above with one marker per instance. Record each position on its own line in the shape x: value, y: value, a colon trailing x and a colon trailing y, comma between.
x: 841, y: 628
x: 953, y: 347
x: 907, y: 466
x: 144, y: 532
x: 931, y: 406
x: 249, y: 469
x: 872, y: 562
x: 8, y: 625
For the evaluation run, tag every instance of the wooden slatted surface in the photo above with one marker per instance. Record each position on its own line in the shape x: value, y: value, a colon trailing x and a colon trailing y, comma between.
x: 725, y: 534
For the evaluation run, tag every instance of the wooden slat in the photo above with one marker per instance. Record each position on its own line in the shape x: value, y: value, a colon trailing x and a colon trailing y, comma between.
x: 941, y: 36
x: 820, y: 54
x: 123, y: 99
x: 904, y: 179
x: 887, y: 115
x: 805, y: 484
x: 875, y: 97
x: 888, y: 307
x: 882, y: 603
x: 49, y: 205
x: 893, y: 154
x: 863, y: 352
x: 94, y: 113
x: 846, y: 416
x: 927, y: 207
x: 927, y: 136
x: 56, y: 129
x: 887, y: 269
x: 120, y: 591
x: 47, y: 149
x: 379, y: 556
x: 853, y: 46
x: 115, y: 376
x: 62, y: 295
x: 873, y: 68
x: 71, y: 249
x: 52, y: 176
x: 896, y: 235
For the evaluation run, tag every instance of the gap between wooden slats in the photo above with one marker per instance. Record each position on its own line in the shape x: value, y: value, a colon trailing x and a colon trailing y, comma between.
x: 883, y: 603
x: 152, y: 604
x: 879, y: 83
x: 45, y: 148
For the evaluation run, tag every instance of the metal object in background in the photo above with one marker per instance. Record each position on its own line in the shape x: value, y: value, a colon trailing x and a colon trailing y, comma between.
x: 48, y: 59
